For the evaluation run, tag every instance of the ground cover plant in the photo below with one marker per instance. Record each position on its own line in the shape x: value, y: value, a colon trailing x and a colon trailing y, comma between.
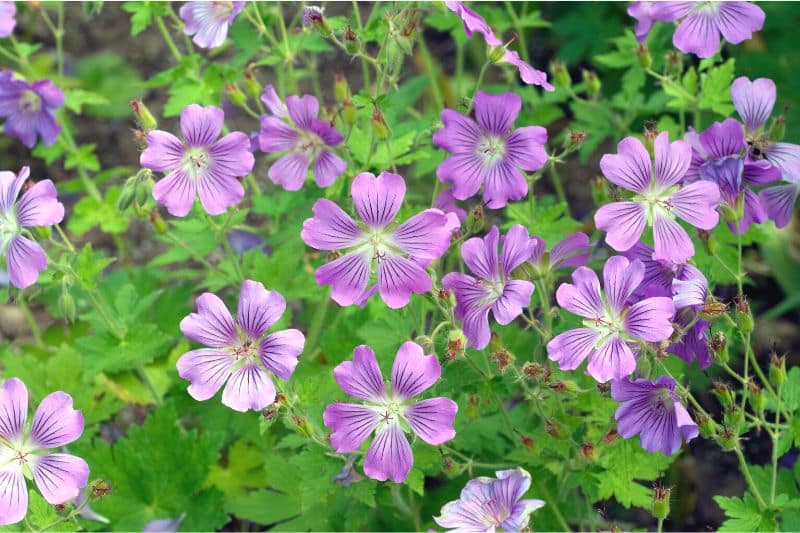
x: 399, y: 266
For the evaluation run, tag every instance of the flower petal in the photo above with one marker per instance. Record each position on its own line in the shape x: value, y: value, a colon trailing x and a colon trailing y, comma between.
x: 630, y: 168
x: 672, y: 160
x: 753, y: 100
x: 231, y: 155
x: 330, y: 228
x: 651, y: 319
x: 273, y: 102
x: 516, y: 296
x: 471, y: 307
x: 250, y: 387
x: 164, y: 152
x: 432, y: 420
x: 480, y: 255
x: 55, y: 422
x: 348, y: 276
x: 378, y: 199
x: 289, y: 171
x: 13, y: 408
x: 206, y: 369
x: 738, y: 20
x: 361, y: 378
x: 258, y: 308
x: 303, y: 110
x: 460, y: 134
x: 672, y: 243
x: 327, y: 168
x: 389, y: 456
x: 201, y: 126
x: 525, y: 148
x: 496, y: 113
x: 573, y: 252
x: 276, y: 135
x: 60, y: 476
x: 413, y: 372
x: 696, y: 203
x: 351, y: 425
x: 24, y: 260
x: 613, y: 360
x: 527, y: 73
x: 13, y: 495
x: 212, y: 325
x: 39, y: 206
x: 779, y: 202
x: 623, y: 223
x: 176, y: 191
x: 697, y: 34
x: 582, y: 297
x: 620, y: 279
x: 425, y: 237
x: 503, y: 183
x: 465, y: 171
x: 279, y: 351
x: 398, y: 277
x: 10, y: 185
x: 218, y: 191
x: 569, y: 349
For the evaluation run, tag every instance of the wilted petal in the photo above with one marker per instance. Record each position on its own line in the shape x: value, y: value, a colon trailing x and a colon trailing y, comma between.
x: 55, y: 422
x: 389, y: 456
x: 571, y: 252
x: 273, y: 102
x: 527, y: 73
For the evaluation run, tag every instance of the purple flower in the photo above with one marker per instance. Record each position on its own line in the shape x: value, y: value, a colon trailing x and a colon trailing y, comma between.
x: 611, y: 325
x: 494, y: 288
x: 473, y: 22
x: 239, y: 349
x: 389, y: 413
x: 754, y: 101
x: 487, y: 504
x: 201, y: 166
x: 307, y: 140
x: 59, y: 476
x: 652, y: 410
x: 689, y: 297
x: 489, y: 153
x: 659, y: 273
x: 164, y: 525
x: 8, y: 13
x: 645, y: 13
x: 659, y: 198
x: 572, y: 252
x: 38, y: 206
x: 446, y: 203
x: 209, y: 21
x: 398, y: 254
x: 29, y: 109
x: 699, y: 31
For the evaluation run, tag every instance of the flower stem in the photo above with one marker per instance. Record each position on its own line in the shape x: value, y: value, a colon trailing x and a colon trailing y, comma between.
x: 481, y: 77
x: 168, y: 38
x: 775, y: 436
x: 749, y: 478
x: 315, y: 328
x: 26, y: 310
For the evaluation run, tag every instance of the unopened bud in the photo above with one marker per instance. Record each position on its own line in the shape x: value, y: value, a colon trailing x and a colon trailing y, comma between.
x: 314, y: 18
x: 724, y: 394
x: 66, y: 304
x: 757, y: 399
x: 589, y: 452
x: 341, y: 89
x: 351, y: 43
x: 727, y: 438
x: 650, y: 132
x: 706, y: 425
x: 235, y: 94
x: 144, y: 119
x: 475, y: 220
x: 713, y: 309
x: 379, y: 125
x: 251, y: 84
x: 644, y: 57
x: 674, y: 62
x: 127, y: 194
x: 349, y: 114
x: 744, y: 317
x: 660, y: 507
x: 142, y: 192
x: 159, y: 224
x: 733, y: 416
x: 777, y: 370
x: 574, y: 139
x: 592, y: 83
x: 718, y: 346
x: 560, y: 74
x: 426, y: 343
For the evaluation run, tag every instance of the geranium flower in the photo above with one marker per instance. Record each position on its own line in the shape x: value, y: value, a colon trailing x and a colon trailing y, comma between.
x: 487, y: 504
x: 754, y: 101
x: 238, y: 351
x: 389, y: 413
x: 493, y: 289
x: 201, y: 166
x: 652, y: 410
x: 571, y: 252
x: 397, y: 254
x: 38, y: 206
x: 8, y: 18
x: 489, y: 152
x: 612, y: 326
x: 26, y: 450
x: 446, y: 202
x: 29, y: 109
x: 209, y: 21
x: 307, y: 139
x: 659, y: 198
x: 702, y: 23
x: 473, y: 22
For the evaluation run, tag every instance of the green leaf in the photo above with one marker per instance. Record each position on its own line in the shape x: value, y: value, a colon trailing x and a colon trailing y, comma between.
x: 76, y: 98
x: 142, y: 14
x: 790, y: 395
x: 83, y: 158
x: 90, y: 212
x: 744, y: 514
x: 625, y: 462
x: 715, y: 93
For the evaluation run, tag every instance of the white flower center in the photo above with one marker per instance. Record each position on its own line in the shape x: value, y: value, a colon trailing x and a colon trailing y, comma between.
x: 491, y: 149
x: 222, y: 9
x: 30, y: 102
x: 662, y: 402
x: 709, y: 6
x: 196, y: 161
x: 8, y: 228
x: 15, y: 452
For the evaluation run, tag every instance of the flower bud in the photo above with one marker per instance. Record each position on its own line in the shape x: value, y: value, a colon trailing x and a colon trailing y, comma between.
x: 777, y: 370
x: 705, y: 424
x: 159, y: 225
x: 660, y: 507
x: 556, y: 430
x: 560, y: 74
x: 142, y: 192
x: 650, y: 132
x: 727, y: 438
x: 574, y: 140
x: 251, y: 85
x: 235, y: 95
x: 313, y: 17
x: 475, y: 220
x: 733, y: 416
x: 724, y: 394
x: 674, y: 62
x: 589, y: 452
x: 744, y: 318
x: 718, y: 346
x: 592, y: 83
x: 496, y: 54
x: 426, y: 343
x: 644, y: 57
x: 713, y: 309
x: 532, y: 370
x: 473, y: 409
x: 302, y: 425
x: 710, y: 244
x: 528, y: 442
x: 66, y: 304
x: 757, y: 399
x: 379, y: 125
x: 349, y: 114
x: 340, y: 88
x: 610, y: 436
x: 144, y: 118
x: 127, y: 194
x: 351, y: 43
x: 501, y: 358
x: 140, y: 138
x: 456, y: 344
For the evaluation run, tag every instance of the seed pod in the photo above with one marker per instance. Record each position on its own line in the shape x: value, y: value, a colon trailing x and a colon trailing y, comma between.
x: 644, y: 57
x: 379, y: 126
x: 144, y: 118
x: 660, y: 507
x: 777, y: 370
x: 561, y: 76
x: 349, y: 114
x: 340, y: 88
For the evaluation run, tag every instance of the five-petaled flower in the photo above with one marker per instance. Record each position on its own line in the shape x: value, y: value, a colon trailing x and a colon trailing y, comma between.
x: 294, y: 127
x: 239, y: 349
x: 659, y: 197
x: 487, y: 152
x: 652, y: 410
x: 25, y: 451
x: 487, y: 504
x: 611, y: 325
x: 494, y: 288
x: 398, y: 254
x: 37, y: 207
x: 203, y: 166
x: 29, y: 109
x: 389, y: 413
x: 571, y: 252
x: 209, y: 21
